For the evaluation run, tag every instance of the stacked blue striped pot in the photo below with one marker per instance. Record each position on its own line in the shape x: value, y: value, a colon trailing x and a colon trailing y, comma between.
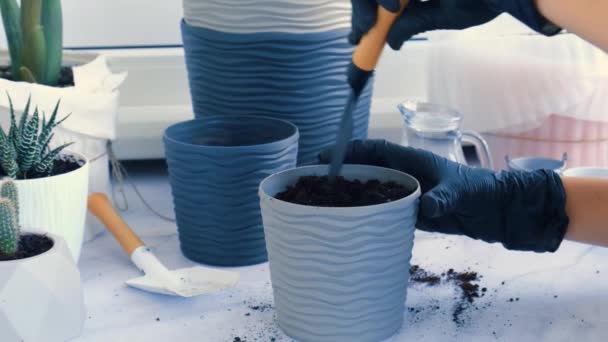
x: 215, y: 167
x: 279, y: 58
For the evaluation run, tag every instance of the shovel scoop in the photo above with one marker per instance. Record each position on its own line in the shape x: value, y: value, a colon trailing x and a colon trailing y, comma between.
x: 185, y: 282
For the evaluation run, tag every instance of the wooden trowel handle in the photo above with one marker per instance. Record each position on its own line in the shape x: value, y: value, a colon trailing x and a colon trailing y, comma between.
x: 100, y: 206
x: 368, y: 51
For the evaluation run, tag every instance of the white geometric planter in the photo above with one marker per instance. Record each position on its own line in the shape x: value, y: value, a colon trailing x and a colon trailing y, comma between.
x: 57, y: 203
x: 41, y: 298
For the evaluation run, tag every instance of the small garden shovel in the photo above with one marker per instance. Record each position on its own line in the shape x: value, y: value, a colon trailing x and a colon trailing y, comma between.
x: 185, y: 282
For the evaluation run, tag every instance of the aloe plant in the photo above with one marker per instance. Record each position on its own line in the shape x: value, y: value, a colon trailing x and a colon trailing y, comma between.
x: 34, y: 33
x: 25, y: 150
x: 9, y: 219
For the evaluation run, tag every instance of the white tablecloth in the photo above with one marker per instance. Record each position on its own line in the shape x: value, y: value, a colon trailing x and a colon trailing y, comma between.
x: 562, y: 296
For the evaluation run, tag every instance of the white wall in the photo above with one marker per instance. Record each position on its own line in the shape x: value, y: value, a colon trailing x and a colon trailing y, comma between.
x: 156, y: 91
x: 89, y: 23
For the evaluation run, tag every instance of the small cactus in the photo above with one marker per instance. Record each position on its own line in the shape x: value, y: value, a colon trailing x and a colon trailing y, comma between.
x: 9, y: 228
x: 8, y: 190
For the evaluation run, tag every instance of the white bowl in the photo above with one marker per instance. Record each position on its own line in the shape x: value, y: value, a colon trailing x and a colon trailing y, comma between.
x: 594, y: 172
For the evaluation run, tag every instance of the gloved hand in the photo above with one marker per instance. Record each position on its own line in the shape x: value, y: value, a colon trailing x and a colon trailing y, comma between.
x: 421, y: 16
x: 521, y: 210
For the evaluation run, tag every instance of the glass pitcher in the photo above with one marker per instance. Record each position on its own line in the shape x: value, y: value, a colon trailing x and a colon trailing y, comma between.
x: 436, y: 128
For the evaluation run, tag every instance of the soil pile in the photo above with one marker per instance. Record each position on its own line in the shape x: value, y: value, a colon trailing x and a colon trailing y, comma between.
x: 320, y: 191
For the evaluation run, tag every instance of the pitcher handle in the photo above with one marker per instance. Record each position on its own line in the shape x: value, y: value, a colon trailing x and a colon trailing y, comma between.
x: 481, y: 146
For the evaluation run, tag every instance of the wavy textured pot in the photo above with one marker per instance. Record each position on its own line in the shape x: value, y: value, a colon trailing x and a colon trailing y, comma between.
x: 57, y: 203
x: 339, y: 274
x: 286, y: 60
x: 41, y: 298
x: 215, y: 167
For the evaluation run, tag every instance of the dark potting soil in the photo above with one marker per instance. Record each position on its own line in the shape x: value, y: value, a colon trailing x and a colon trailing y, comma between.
x: 29, y: 245
x: 66, y: 76
x: 63, y: 164
x: 465, y: 282
x: 320, y: 191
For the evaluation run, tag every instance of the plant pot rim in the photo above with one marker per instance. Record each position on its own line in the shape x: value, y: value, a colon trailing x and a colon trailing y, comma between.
x: 53, y: 237
x: 375, y: 207
x: 70, y: 153
x: 295, y: 133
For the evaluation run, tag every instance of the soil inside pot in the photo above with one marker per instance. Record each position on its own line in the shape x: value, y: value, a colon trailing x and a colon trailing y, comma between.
x: 29, y: 245
x: 63, y: 164
x: 320, y: 191
x: 66, y: 76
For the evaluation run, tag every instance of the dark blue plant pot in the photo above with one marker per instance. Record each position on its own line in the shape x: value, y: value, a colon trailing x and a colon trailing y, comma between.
x: 300, y: 78
x: 215, y: 167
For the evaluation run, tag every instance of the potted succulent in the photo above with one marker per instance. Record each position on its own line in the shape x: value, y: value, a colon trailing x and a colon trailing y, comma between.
x: 339, y: 250
x: 35, y: 66
x: 52, y: 181
x: 36, y: 304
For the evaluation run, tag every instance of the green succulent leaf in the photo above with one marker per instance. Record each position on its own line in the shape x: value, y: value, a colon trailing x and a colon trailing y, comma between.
x: 27, y: 75
x: 46, y: 164
x: 14, y: 130
x: 44, y: 145
x: 8, y: 159
x: 28, y: 147
x: 12, y: 27
x: 52, y: 23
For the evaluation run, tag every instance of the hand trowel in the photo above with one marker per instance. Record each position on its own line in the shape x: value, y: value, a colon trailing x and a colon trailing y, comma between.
x: 185, y: 282
x: 364, y: 61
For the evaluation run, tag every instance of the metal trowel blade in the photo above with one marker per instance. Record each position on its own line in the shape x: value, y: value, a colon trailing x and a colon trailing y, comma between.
x: 187, y: 282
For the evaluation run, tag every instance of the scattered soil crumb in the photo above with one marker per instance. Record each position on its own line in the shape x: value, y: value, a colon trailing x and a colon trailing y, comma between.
x: 157, y: 319
x: 261, y: 307
x: 420, y: 275
x: 465, y: 282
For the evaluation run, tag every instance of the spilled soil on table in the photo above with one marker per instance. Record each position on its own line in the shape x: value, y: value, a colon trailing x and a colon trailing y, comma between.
x: 466, y: 284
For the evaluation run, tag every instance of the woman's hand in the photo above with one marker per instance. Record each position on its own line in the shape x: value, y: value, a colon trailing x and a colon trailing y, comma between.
x: 521, y: 210
x: 422, y: 16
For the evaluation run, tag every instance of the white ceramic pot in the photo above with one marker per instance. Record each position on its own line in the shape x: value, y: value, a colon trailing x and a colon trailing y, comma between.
x: 95, y: 150
x: 339, y: 274
x: 58, y: 203
x: 41, y: 298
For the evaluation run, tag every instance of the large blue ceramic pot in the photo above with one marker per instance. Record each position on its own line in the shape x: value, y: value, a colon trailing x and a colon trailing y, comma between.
x: 215, y: 167
x: 281, y: 58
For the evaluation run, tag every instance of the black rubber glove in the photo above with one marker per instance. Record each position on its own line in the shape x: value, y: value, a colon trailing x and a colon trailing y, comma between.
x: 421, y: 16
x: 522, y: 210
